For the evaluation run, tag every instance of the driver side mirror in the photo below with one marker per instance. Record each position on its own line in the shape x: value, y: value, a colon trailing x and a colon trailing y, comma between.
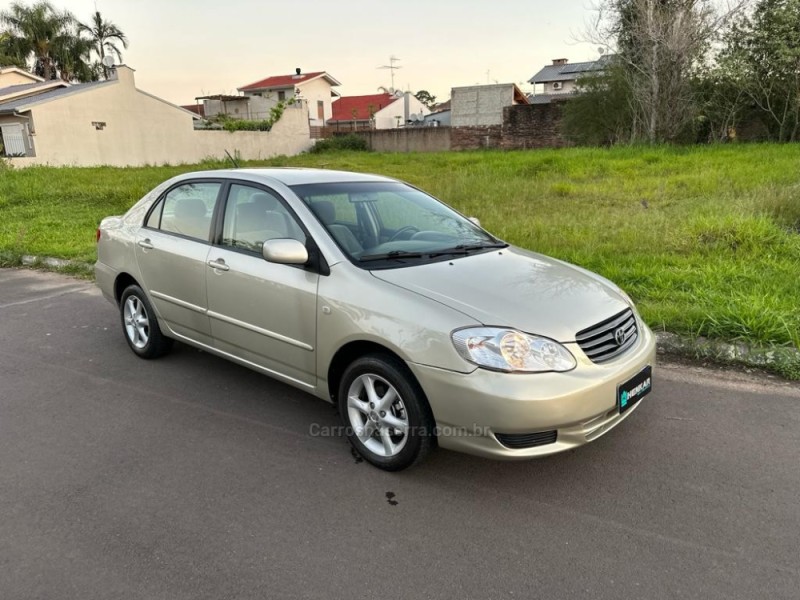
x: 475, y: 220
x: 285, y: 252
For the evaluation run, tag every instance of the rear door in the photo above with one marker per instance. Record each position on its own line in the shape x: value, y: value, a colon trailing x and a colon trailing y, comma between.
x: 172, y: 250
x: 262, y: 312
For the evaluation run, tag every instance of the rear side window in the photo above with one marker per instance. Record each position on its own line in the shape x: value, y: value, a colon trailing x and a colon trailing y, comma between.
x: 187, y: 210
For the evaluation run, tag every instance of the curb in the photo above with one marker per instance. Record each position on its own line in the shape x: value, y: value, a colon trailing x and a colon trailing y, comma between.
x: 57, y: 264
x: 783, y: 360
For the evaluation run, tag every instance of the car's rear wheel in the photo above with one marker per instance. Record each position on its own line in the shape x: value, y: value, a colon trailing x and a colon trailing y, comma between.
x: 140, y: 325
x: 386, y: 413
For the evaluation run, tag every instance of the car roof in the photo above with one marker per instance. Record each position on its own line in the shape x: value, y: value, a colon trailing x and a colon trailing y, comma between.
x: 290, y: 175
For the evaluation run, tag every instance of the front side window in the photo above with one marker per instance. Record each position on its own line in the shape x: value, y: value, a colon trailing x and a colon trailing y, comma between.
x: 186, y: 210
x: 379, y: 224
x: 253, y: 216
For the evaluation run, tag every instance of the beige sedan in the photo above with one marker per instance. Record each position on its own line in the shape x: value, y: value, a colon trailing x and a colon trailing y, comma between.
x: 423, y: 328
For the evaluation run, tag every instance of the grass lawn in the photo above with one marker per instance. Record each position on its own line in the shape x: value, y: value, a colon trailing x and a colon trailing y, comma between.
x: 705, y: 239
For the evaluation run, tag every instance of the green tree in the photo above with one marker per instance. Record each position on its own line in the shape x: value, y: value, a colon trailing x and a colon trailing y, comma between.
x: 602, y: 113
x: 661, y: 47
x: 106, y: 38
x: 38, y: 32
x: 426, y: 98
x: 762, y: 57
x: 7, y: 56
x: 73, y: 60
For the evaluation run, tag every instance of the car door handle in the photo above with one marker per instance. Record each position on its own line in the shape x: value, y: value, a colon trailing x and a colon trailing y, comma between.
x: 146, y: 244
x: 218, y: 264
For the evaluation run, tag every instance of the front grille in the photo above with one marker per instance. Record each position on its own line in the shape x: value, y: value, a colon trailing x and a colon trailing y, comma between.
x: 601, y: 342
x: 527, y: 440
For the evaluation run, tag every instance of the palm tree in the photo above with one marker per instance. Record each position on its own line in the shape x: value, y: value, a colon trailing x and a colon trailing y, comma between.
x: 38, y: 31
x: 104, y: 36
x: 73, y: 60
x: 8, y: 58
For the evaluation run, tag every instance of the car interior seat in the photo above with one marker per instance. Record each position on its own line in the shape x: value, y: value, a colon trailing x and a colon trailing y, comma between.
x: 254, y: 226
x: 190, y: 218
x: 326, y: 212
x: 278, y: 218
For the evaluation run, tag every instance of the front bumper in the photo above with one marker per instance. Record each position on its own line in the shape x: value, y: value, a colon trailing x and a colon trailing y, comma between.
x: 471, y: 408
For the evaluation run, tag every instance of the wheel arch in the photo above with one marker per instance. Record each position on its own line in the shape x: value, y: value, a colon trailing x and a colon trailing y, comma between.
x: 356, y: 349
x: 122, y: 281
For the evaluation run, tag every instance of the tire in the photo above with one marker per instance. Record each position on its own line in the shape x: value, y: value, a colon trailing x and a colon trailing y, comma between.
x: 140, y: 325
x: 391, y: 436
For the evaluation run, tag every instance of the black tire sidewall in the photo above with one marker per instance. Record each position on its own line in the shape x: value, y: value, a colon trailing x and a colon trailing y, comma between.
x: 419, y: 416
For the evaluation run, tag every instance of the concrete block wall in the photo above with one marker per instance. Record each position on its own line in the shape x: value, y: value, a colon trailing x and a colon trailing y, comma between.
x: 413, y: 139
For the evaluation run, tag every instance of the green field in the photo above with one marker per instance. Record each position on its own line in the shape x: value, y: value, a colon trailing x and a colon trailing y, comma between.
x: 705, y: 239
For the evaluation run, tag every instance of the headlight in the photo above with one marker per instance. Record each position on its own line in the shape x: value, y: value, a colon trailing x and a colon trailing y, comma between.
x: 510, y: 350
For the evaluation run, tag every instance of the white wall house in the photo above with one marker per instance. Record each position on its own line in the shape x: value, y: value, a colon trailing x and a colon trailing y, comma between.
x: 114, y: 123
x: 316, y: 89
x: 561, y: 78
x: 16, y: 84
x: 377, y: 111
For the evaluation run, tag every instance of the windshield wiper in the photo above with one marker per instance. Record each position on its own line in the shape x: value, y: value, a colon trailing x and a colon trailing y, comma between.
x: 394, y: 254
x: 467, y: 248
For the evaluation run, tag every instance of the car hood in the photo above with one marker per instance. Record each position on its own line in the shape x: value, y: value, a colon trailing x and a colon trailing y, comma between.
x: 515, y: 288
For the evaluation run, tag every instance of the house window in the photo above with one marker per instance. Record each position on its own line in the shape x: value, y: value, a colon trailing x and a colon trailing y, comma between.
x: 14, y: 140
x: 320, y: 109
x: 281, y: 96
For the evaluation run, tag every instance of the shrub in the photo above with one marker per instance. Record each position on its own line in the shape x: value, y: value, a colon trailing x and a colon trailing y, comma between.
x: 351, y: 142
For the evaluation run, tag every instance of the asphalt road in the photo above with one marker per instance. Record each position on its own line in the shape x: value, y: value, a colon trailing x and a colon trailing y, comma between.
x: 190, y: 477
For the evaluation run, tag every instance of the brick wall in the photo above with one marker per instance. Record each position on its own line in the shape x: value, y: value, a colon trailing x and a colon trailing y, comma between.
x: 533, y: 126
x: 524, y: 126
x: 475, y: 137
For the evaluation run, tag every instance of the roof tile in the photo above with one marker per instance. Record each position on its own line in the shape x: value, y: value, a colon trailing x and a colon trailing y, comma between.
x: 362, y: 105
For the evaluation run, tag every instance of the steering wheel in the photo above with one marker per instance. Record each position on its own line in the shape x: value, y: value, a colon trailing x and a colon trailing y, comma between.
x: 402, y: 230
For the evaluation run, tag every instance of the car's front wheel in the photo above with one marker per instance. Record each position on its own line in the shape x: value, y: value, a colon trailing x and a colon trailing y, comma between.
x: 386, y: 413
x: 140, y: 325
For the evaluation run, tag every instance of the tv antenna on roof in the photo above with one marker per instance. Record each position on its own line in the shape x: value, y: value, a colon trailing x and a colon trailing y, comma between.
x: 392, y: 67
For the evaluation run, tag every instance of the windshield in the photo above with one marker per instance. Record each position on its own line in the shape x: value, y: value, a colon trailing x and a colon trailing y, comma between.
x: 389, y: 224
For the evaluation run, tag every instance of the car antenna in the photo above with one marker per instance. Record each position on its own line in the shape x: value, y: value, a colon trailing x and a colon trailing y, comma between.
x: 233, y: 160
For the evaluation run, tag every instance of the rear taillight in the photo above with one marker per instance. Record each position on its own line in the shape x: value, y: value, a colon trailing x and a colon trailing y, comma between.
x: 98, y: 234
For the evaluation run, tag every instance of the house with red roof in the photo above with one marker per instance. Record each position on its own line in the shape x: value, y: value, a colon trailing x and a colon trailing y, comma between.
x: 315, y: 88
x: 377, y: 111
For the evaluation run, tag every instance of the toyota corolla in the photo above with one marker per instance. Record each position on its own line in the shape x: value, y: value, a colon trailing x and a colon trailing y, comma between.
x: 423, y: 328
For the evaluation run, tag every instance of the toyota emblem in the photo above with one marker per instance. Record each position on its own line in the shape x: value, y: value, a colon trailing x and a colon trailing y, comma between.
x: 619, y: 336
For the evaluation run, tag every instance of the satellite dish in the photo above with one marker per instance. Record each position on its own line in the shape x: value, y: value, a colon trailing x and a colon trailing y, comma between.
x: 601, y: 51
x: 108, y: 61
x: 399, y: 93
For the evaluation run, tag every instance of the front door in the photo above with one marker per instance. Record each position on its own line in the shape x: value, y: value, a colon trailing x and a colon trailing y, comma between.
x: 172, y: 250
x: 262, y: 312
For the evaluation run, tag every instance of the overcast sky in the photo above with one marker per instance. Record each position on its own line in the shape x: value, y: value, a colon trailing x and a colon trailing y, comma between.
x: 187, y: 48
